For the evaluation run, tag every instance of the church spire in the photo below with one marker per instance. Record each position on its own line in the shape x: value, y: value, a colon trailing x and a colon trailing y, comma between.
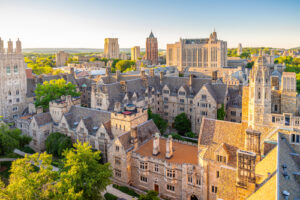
x: 151, y: 35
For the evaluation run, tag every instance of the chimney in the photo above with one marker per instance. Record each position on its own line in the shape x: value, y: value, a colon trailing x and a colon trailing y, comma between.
x: 72, y: 71
x: 134, y: 139
x: 118, y: 75
x: 161, y: 76
x: 151, y: 72
x: 39, y: 110
x: 142, y: 74
x: 214, y: 75
x: 156, y: 144
x: 123, y: 85
x: 18, y: 47
x: 9, y: 46
x: 169, y: 147
x: 190, y: 80
x: 253, y: 142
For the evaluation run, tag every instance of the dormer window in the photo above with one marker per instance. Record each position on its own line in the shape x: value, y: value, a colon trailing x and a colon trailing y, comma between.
x: 221, y: 158
x: 182, y: 93
x: 166, y: 91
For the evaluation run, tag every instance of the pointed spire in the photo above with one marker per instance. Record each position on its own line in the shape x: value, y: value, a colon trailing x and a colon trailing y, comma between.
x: 151, y: 35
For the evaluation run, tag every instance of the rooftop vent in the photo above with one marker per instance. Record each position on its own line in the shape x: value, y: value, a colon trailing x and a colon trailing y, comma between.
x: 284, y: 166
x: 286, y: 176
x: 76, y: 123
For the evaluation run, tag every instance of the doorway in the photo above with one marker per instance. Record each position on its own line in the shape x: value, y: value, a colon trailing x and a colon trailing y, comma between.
x: 193, y: 197
x: 156, y: 188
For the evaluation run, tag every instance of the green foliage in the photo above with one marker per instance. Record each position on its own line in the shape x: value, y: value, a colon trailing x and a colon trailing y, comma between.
x: 113, y: 65
x: 83, y: 174
x: 57, y: 143
x: 11, y: 139
x: 104, y: 60
x: 151, y: 195
x: 52, y: 90
x: 292, y: 65
x: 126, y: 190
x: 26, y: 182
x: 190, y: 134
x: 181, y: 75
x: 245, y: 55
x: 182, y: 124
x: 125, y: 65
x: 221, y: 113
x: 109, y: 196
x: 158, y: 120
x: 176, y: 136
x: 40, y: 63
x: 250, y: 65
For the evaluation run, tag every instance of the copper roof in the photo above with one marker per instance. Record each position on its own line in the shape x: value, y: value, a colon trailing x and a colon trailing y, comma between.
x: 182, y: 153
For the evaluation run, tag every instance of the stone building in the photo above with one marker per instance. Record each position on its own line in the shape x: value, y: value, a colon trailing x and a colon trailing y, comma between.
x: 152, y: 49
x: 167, y: 96
x: 13, y: 84
x: 204, y: 53
x: 111, y: 48
x: 135, y: 53
x: 254, y: 159
x: 61, y: 58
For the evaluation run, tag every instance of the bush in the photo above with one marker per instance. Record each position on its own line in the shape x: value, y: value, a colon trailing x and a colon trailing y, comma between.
x: 158, y: 121
x: 190, y: 134
x: 182, y: 124
x: 126, y: 190
x: 56, y: 143
x: 109, y: 196
x: 176, y: 136
x: 221, y: 113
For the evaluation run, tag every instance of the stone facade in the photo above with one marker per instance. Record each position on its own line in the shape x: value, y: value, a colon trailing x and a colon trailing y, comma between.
x: 13, y: 84
x: 111, y: 48
x: 135, y: 53
x: 61, y: 58
x: 152, y: 49
x: 167, y: 96
x: 204, y: 53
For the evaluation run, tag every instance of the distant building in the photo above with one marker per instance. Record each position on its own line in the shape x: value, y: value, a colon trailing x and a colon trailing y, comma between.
x: 239, y: 49
x: 13, y: 84
x: 135, y: 53
x: 152, y: 49
x: 123, y: 56
x: 61, y: 58
x: 202, y: 53
x: 111, y: 48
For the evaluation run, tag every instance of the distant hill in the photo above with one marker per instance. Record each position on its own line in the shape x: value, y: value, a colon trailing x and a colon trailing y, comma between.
x: 73, y: 50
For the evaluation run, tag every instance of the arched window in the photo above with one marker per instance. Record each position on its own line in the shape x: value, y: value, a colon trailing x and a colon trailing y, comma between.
x: 258, y: 93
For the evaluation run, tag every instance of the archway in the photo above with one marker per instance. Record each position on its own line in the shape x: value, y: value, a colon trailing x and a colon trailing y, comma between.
x: 193, y: 197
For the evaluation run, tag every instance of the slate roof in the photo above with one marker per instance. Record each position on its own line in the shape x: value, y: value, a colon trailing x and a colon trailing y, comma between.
x: 43, y: 118
x: 144, y: 131
x: 91, y: 117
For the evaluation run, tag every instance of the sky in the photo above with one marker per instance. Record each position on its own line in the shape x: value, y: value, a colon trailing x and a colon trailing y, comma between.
x: 85, y: 23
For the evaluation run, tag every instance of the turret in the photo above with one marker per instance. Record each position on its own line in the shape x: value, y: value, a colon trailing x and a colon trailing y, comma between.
x: 18, y: 47
x: 9, y: 46
x: 1, y: 46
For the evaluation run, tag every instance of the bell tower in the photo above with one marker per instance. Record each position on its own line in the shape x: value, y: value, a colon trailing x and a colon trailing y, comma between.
x: 259, y: 93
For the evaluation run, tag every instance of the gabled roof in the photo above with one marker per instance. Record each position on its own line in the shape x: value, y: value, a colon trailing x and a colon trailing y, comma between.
x: 43, y: 118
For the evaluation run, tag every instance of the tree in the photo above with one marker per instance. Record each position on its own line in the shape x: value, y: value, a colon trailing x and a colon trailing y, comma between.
x: 250, y: 65
x: 11, y: 139
x: 125, y: 65
x: 56, y: 143
x: 82, y: 173
x: 182, y: 124
x: 52, y: 90
x: 28, y: 182
x: 158, y: 120
x: 151, y: 195
x: 221, y: 113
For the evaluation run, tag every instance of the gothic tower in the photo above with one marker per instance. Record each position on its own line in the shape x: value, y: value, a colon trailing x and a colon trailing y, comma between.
x: 259, y: 106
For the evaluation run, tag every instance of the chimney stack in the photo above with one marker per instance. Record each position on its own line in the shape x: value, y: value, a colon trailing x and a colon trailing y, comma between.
x: 190, y: 80
x: 9, y: 46
x: 156, y: 144
x: 152, y: 72
x: 134, y: 139
x: 169, y: 147
x: 39, y: 110
x: 142, y: 74
x: 161, y: 76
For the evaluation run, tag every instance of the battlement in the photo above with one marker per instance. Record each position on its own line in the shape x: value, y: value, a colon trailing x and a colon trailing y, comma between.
x: 10, y: 49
